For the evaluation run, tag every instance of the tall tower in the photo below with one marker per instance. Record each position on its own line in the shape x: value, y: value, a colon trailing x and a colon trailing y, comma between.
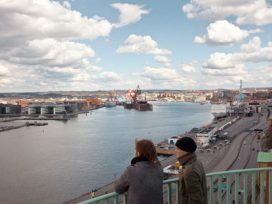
x: 241, y: 87
x: 240, y: 97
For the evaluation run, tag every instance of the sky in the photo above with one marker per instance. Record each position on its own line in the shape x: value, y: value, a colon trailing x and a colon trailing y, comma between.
x: 88, y: 45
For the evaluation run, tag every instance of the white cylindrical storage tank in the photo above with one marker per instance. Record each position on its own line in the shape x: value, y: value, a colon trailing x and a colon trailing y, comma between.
x: 31, y: 110
x: 7, y: 109
x: 44, y: 110
x: 59, y: 109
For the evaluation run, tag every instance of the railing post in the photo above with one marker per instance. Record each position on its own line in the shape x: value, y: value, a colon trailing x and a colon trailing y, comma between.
x: 228, y: 189
x: 125, y: 199
x: 169, y: 196
x: 177, y: 192
x: 211, y: 190
x: 116, y: 199
x: 236, y: 183
x: 253, y: 188
x: 262, y: 187
x: 245, y: 189
x: 270, y: 186
x: 219, y: 190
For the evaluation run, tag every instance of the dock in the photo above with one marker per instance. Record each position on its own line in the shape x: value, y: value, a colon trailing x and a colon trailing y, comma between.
x: 35, y: 124
x: 25, y: 124
x: 165, y: 149
x: 167, y: 146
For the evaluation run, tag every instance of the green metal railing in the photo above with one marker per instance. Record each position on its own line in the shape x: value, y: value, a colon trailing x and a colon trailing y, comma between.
x: 235, y: 186
x: 240, y: 186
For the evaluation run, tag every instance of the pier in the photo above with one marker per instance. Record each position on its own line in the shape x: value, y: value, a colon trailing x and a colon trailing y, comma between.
x: 26, y: 124
x: 35, y: 124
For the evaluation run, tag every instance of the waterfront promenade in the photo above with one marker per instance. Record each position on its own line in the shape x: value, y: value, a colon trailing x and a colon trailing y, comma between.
x: 236, y: 155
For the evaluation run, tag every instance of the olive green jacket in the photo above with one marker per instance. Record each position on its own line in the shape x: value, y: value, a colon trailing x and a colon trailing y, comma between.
x: 193, y: 188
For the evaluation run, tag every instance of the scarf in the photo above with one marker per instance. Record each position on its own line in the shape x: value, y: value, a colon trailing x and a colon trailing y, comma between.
x: 184, y: 160
x: 137, y: 159
x: 187, y: 157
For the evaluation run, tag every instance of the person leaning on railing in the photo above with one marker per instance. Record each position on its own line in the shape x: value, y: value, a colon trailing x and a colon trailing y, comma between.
x: 193, y: 187
x: 143, y: 179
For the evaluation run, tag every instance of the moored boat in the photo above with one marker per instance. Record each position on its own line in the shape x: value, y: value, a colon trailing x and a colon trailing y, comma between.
x: 136, y: 102
x: 110, y: 104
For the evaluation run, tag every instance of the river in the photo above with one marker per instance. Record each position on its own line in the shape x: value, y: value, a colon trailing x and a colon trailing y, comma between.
x: 58, y: 162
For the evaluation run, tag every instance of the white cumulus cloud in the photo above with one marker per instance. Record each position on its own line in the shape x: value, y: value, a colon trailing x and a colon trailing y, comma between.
x: 129, y: 13
x: 41, y: 44
x: 163, y: 60
x: 145, y: 45
x: 3, y: 71
x: 160, y: 73
x: 66, y: 4
x: 256, y: 12
x: 108, y: 77
x: 189, y: 68
x: 47, y: 19
x: 142, y: 44
x: 252, y: 46
x: 234, y: 64
x: 49, y: 52
x: 223, y: 32
x: 221, y: 61
x: 253, y: 52
x: 237, y: 70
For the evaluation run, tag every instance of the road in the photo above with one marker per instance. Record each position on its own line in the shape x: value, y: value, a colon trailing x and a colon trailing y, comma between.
x: 247, y: 156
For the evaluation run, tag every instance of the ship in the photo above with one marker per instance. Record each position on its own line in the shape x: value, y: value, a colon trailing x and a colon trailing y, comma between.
x: 128, y: 104
x: 109, y: 104
x: 220, y: 110
x: 111, y: 101
x: 143, y: 106
x: 134, y: 101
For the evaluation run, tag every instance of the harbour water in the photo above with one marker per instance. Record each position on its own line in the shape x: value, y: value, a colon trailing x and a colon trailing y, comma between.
x: 60, y: 161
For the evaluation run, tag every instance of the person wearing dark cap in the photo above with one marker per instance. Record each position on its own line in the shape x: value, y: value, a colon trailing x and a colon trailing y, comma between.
x: 193, y: 187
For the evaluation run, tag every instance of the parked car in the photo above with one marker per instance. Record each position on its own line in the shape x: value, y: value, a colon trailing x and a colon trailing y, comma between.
x: 224, y: 134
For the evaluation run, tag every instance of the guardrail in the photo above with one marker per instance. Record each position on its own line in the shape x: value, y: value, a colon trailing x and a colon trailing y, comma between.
x: 235, y: 186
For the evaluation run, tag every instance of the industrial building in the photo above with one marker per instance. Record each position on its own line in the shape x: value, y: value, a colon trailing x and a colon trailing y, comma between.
x: 43, y: 109
x: 78, y: 105
x: 10, y: 109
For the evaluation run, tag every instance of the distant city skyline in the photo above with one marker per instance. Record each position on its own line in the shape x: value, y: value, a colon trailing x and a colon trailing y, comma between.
x: 87, y: 45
